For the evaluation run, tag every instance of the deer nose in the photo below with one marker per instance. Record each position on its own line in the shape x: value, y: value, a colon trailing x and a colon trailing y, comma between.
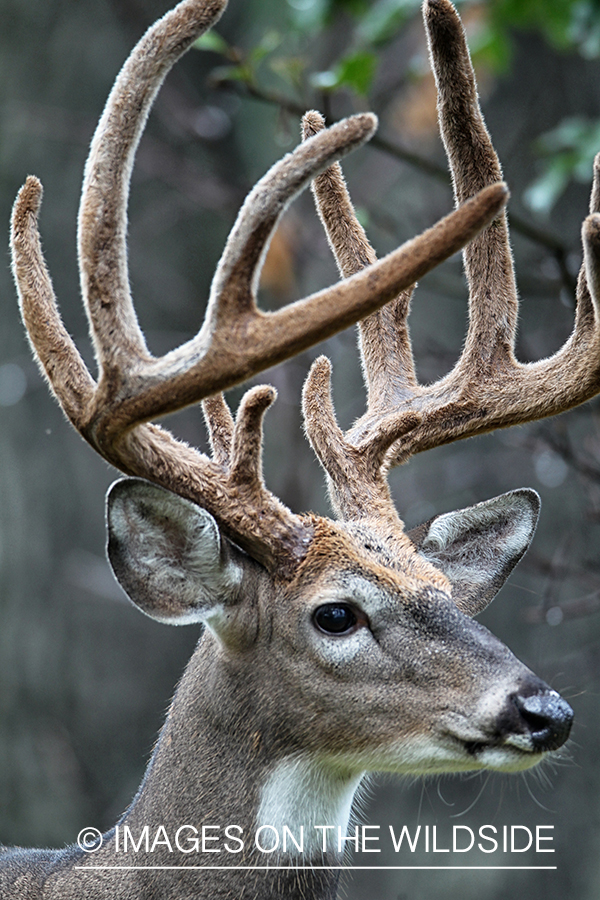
x: 548, y: 719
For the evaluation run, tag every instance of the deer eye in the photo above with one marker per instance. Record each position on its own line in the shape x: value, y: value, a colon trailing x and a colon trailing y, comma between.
x: 335, y: 618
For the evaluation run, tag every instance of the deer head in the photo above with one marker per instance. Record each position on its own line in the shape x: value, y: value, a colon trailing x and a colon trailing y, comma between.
x: 332, y: 647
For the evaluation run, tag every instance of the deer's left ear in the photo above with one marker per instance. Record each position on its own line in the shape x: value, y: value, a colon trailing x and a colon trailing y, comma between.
x: 477, y: 548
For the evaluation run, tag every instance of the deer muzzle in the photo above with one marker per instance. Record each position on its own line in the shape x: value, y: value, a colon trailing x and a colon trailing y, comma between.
x: 546, y: 717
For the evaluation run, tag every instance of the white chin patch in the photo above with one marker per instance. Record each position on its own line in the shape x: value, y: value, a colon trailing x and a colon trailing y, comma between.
x: 505, y: 759
x: 424, y: 756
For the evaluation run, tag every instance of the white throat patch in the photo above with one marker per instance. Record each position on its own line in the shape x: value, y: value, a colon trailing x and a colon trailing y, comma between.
x: 300, y: 799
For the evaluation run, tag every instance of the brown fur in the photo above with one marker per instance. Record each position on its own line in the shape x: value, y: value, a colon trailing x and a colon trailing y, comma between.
x: 414, y: 684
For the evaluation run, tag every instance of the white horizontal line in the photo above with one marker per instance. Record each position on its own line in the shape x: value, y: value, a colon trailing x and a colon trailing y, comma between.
x: 336, y: 868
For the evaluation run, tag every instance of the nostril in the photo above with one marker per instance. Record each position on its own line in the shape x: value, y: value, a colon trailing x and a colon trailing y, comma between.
x: 548, y: 718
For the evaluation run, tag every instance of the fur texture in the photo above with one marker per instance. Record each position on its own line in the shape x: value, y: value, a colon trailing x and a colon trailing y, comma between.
x: 279, y: 713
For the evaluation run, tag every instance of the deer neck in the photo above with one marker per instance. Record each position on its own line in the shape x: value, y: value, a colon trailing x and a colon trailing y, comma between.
x: 214, y: 766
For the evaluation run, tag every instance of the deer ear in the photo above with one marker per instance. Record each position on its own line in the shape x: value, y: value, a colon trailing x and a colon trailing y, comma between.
x: 478, y: 547
x: 167, y: 554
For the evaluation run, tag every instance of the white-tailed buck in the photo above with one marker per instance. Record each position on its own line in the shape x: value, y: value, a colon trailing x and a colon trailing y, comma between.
x: 331, y: 648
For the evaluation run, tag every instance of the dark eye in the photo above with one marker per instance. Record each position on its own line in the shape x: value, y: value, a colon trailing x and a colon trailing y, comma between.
x: 335, y: 618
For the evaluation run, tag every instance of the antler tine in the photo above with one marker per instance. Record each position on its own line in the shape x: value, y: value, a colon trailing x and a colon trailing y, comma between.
x: 102, y: 225
x: 386, y: 327
x: 346, y: 235
x: 356, y: 473
x: 244, y: 479
x: 53, y: 347
x: 474, y: 164
x: 220, y: 425
x: 585, y: 315
x: 236, y: 278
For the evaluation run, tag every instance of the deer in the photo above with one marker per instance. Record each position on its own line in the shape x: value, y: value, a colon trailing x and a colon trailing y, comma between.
x: 331, y: 647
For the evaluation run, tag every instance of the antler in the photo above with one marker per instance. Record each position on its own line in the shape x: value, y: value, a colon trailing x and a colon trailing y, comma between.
x: 488, y: 388
x: 236, y: 340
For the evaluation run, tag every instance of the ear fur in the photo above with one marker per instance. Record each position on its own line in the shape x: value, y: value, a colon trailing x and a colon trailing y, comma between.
x: 478, y: 547
x: 167, y: 553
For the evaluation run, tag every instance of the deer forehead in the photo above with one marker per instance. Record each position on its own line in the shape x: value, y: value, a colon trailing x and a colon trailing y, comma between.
x: 353, y: 562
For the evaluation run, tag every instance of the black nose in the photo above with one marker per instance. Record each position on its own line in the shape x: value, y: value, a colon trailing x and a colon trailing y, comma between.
x: 548, y: 719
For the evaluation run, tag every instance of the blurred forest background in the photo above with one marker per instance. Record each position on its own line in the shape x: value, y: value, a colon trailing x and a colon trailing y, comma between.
x: 84, y: 678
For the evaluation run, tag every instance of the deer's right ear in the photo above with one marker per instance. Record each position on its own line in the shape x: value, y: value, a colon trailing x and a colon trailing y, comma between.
x: 167, y: 554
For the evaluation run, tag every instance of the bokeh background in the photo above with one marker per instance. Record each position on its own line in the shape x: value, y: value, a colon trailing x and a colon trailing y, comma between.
x: 85, y: 680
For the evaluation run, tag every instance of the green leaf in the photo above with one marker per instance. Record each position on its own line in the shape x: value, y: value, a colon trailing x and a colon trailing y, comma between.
x: 212, y: 41
x: 356, y: 71
x: 585, y: 28
x: 356, y: 7
x: 569, y: 150
x: 490, y: 47
x: 552, y: 18
x: 232, y: 73
x: 542, y: 194
x: 564, y: 23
